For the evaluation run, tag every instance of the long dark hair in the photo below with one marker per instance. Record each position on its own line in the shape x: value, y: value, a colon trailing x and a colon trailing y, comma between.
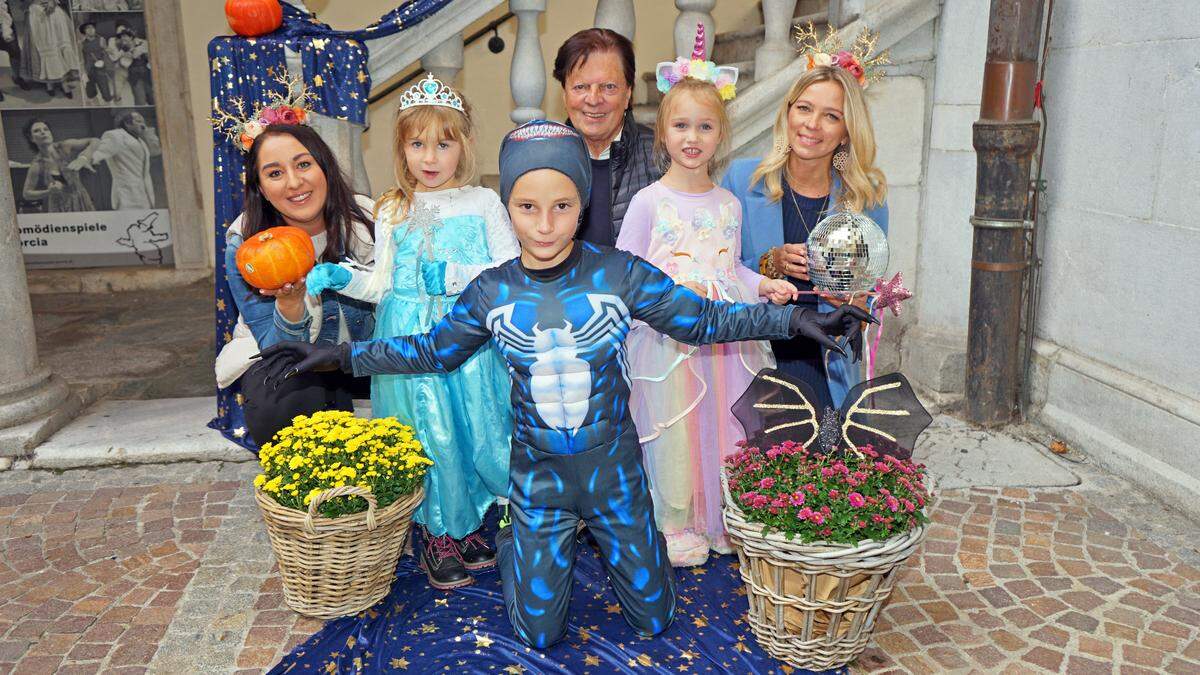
x: 341, y: 210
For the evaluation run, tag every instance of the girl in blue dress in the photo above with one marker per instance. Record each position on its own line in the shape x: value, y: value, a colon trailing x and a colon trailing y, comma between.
x: 434, y: 235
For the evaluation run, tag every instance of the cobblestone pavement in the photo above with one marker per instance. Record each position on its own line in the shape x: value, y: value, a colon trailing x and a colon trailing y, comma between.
x: 167, y: 569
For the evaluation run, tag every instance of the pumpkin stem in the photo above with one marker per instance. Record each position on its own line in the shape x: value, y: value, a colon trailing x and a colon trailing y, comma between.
x: 266, y: 236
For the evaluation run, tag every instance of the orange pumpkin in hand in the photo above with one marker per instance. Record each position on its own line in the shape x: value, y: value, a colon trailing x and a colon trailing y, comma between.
x: 276, y: 256
x: 251, y: 18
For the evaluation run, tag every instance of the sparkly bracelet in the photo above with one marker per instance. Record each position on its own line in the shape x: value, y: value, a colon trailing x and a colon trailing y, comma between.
x: 766, y: 265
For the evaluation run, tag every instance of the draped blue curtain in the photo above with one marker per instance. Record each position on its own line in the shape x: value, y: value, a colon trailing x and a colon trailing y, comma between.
x: 245, y: 69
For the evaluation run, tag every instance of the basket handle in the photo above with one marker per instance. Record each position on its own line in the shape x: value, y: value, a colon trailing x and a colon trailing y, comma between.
x: 339, y: 492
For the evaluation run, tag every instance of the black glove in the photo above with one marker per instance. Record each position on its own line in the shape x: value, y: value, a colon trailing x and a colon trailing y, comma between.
x: 845, y: 320
x: 303, y: 357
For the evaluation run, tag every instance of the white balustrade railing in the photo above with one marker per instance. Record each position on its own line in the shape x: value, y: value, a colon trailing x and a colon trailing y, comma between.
x: 527, y: 79
x: 692, y: 12
x: 776, y: 50
x: 445, y: 61
x: 617, y: 15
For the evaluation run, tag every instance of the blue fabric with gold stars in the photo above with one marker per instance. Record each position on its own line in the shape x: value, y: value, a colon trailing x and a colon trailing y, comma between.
x: 416, y: 629
x: 245, y: 70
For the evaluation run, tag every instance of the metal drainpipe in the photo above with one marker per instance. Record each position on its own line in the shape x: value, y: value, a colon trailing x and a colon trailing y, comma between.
x: 1005, y: 138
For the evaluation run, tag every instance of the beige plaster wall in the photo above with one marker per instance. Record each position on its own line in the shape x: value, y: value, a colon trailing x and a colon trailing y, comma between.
x: 484, y: 79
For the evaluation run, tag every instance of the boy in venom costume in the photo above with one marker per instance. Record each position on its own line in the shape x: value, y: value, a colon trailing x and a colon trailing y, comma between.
x: 559, y: 315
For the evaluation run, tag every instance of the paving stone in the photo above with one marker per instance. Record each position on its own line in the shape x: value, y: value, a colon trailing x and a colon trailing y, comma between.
x: 1050, y: 659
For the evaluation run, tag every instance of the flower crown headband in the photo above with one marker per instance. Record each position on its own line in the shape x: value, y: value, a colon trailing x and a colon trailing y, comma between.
x: 291, y: 107
x: 859, y: 60
x: 431, y: 91
x: 724, y: 78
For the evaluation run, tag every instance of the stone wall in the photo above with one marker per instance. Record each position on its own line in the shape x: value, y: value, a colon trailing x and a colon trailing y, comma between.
x: 1114, y: 374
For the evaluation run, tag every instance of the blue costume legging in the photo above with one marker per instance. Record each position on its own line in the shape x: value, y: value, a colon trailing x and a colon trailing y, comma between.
x: 550, y: 494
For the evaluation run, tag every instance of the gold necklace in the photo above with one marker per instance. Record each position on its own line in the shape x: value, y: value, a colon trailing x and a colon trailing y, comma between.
x: 800, y: 212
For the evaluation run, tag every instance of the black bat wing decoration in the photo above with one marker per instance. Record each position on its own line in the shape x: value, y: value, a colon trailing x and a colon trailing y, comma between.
x: 882, y: 412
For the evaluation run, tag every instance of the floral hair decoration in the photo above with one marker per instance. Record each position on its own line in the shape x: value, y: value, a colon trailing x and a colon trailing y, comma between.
x: 724, y: 78
x: 290, y: 107
x: 859, y: 59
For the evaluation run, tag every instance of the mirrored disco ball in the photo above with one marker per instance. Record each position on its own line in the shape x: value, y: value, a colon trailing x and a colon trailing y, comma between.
x: 847, y: 252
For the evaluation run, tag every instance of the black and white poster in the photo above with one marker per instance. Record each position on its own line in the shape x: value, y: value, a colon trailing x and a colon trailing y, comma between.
x: 77, y: 105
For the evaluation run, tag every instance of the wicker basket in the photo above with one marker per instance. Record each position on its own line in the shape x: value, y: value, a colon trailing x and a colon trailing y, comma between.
x: 814, y: 605
x: 332, y: 567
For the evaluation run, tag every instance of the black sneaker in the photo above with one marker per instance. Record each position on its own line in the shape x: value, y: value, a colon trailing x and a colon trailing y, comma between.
x: 443, y: 563
x: 476, y: 553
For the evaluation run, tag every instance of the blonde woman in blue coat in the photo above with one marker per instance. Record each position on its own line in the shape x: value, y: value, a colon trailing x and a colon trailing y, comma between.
x: 822, y: 161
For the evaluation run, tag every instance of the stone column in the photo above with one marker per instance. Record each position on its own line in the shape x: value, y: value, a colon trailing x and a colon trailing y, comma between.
x: 29, y: 392
x: 445, y: 60
x: 692, y: 12
x: 527, y: 78
x: 776, y: 50
x: 617, y: 15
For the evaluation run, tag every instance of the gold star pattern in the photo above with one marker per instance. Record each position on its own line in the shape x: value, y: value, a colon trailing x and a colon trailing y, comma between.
x: 253, y: 56
x: 482, y: 641
x: 611, y: 608
x: 362, y: 77
x: 741, y: 647
x: 591, y: 660
x: 787, y: 670
x: 221, y: 305
x: 584, y: 635
x: 515, y: 669
x: 318, y: 81
x: 645, y: 660
x: 400, y: 663
x: 699, y: 622
x: 350, y: 642
x: 216, y: 66
x: 427, y: 628
x: 441, y: 602
x: 319, y: 43
x: 688, y: 654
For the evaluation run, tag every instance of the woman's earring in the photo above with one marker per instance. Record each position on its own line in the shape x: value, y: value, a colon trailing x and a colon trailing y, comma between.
x: 781, y: 147
x: 841, y: 158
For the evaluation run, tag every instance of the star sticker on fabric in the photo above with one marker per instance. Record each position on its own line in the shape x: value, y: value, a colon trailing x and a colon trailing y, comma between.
x: 253, y: 56
x: 221, y: 305
x: 612, y: 608
x: 318, y: 81
x: 350, y: 642
x: 591, y: 660
x: 216, y: 65
x: 427, y: 628
x: 740, y: 590
x: 319, y: 43
x: 482, y: 641
x: 331, y: 667
x: 515, y: 669
x: 441, y: 602
x: 239, y: 433
x: 741, y: 647
x: 787, y: 670
x: 584, y: 635
x: 400, y: 663
x: 891, y: 293
x: 362, y: 77
x: 698, y: 571
x: 700, y: 622
x: 688, y: 654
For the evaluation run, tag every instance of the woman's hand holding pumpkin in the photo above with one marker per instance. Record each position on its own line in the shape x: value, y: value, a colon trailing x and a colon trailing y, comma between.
x: 289, y: 300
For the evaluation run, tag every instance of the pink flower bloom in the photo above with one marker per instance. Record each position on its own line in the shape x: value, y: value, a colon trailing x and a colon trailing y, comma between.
x: 766, y: 483
x: 893, y: 504
x: 856, y: 500
x: 804, y: 513
x: 817, y: 518
x: 826, y: 472
x: 843, y: 58
x: 797, y: 498
x: 833, y: 494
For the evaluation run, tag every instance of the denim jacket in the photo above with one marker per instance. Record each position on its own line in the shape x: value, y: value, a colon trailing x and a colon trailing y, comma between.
x: 762, y: 228
x: 260, y: 325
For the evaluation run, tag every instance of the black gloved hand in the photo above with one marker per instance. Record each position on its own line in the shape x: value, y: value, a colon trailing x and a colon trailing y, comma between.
x: 845, y: 320
x: 303, y: 357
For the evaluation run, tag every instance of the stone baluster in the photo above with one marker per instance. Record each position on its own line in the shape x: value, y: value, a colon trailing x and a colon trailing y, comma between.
x: 842, y: 12
x: 776, y: 50
x: 445, y: 60
x: 527, y: 78
x: 692, y: 12
x: 29, y: 392
x: 617, y: 15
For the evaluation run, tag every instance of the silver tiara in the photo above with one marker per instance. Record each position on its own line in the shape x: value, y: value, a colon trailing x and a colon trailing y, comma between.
x: 431, y: 91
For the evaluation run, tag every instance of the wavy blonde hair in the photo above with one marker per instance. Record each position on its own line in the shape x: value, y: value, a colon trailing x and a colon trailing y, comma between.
x: 704, y: 93
x: 863, y: 184
x: 415, y: 122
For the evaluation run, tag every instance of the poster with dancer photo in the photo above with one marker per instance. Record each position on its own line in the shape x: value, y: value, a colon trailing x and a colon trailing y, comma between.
x: 79, y: 123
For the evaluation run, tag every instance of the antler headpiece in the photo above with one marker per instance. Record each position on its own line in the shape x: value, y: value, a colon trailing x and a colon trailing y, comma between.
x: 859, y: 60
x: 291, y: 107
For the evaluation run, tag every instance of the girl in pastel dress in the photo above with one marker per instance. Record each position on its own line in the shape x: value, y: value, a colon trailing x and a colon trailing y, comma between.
x: 691, y: 229
x: 434, y: 234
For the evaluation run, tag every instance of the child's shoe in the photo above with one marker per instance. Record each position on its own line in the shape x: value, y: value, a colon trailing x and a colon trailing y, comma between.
x: 721, y: 545
x: 443, y: 563
x: 475, y: 552
x: 686, y: 549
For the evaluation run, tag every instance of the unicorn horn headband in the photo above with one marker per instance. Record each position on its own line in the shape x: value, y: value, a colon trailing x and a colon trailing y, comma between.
x: 698, y: 67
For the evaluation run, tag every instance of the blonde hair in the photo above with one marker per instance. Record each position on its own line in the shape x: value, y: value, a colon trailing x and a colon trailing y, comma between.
x: 863, y: 184
x: 704, y: 93
x: 415, y: 122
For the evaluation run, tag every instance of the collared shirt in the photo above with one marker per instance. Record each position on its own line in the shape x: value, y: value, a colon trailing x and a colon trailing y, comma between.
x: 608, y: 151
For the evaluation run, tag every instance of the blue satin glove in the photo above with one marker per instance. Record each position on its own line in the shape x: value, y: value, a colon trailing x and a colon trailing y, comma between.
x: 326, y: 276
x: 433, y: 273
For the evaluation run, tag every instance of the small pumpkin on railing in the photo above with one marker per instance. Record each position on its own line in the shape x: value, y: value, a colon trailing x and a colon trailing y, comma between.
x: 251, y: 18
x: 276, y: 256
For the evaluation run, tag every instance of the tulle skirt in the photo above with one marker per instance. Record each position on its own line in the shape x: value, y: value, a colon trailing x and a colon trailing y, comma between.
x: 462, y: 418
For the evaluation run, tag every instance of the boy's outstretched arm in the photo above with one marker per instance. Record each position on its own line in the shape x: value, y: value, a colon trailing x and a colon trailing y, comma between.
x: 445, y: 347
x: 687, y: 317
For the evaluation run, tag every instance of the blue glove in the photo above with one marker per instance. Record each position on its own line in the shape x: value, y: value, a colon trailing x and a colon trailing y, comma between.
x: 326, y: 276
x: 433, y: 273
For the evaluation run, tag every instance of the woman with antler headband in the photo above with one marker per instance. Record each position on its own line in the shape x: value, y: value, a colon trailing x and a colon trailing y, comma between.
x: 822, y: 161
x: 292, y: 178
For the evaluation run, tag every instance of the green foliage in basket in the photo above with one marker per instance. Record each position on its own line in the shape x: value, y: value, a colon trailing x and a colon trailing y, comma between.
x: 335, y: 448
x: 833, y: 498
